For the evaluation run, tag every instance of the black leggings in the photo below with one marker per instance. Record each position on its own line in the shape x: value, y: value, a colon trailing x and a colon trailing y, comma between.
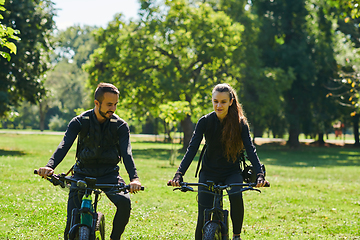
x: 205, y: 200
x: 121, y: 201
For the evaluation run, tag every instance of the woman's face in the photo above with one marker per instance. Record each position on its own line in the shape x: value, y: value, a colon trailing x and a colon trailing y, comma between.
x: 221, y: 103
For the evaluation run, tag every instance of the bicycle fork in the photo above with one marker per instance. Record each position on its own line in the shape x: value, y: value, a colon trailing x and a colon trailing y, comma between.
x: 85, y: 216
x: 218, y: 214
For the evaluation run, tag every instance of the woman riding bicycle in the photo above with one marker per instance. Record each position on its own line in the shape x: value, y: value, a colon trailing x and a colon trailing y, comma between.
x: 226, y: 132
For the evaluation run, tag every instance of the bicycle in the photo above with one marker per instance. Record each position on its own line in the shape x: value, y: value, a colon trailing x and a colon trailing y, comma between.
x: 216, y: 225
x: 86, y: 222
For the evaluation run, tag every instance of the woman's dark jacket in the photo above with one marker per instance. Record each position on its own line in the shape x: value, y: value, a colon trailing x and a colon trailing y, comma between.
x: 100, y: 146
x: 214, y: 161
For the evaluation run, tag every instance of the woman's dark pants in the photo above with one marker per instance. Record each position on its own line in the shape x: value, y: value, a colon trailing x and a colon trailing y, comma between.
x: 205, y: 200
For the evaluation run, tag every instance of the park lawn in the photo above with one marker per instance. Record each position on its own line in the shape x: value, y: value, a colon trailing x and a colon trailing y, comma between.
x: 314, y: 193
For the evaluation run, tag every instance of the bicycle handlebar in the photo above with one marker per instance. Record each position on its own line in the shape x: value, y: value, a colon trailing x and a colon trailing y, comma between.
x: 62, y: 180
x: 267, y: 184
x: 185, y: 186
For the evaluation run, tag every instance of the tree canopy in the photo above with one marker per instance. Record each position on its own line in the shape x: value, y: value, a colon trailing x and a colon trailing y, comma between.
x: 176, y: 55
x: 7, y: 33
x: 21, y: 78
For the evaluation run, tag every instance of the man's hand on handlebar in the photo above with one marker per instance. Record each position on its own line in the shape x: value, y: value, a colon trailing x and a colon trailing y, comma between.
x: 45, y: 171
x: 135, y: 185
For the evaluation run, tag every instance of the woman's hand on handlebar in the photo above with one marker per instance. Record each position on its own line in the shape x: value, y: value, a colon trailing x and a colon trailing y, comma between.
x: 175, y: 182
x: 261, y: 182
x: 45, y: 171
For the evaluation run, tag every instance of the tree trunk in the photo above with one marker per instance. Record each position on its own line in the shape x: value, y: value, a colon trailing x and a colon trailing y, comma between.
x: 356, y: 129
x: 294, y: 133
x: 321, y: 139
x: 187, y: 127
x: 43, y: 108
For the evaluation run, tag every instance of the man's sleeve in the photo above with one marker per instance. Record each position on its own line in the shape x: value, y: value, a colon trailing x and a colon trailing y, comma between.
x: 71, y: 133
x: 125, y: 150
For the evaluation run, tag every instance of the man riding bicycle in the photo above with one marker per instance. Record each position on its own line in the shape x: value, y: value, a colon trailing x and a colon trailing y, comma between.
x: 103, y: 138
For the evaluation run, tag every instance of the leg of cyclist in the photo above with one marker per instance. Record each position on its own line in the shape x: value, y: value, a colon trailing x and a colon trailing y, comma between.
x: 74, y: 201
x: 122, y: 215
x: 205, y: 200
x: 122, y: 203
x: 236, y: 204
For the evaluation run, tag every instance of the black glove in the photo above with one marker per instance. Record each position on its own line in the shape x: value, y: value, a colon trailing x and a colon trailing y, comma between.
x: 178, y: 177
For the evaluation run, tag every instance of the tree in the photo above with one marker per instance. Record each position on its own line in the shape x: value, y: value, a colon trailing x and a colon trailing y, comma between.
x: 175, y: 53
x: 7, y: 33
x: 345, y: 87
x: 173, y: 113
x: 20, y: 78
x: 261, y: 87
x: 76, y: 44
x: 65, y: 84
x: 298, y: 35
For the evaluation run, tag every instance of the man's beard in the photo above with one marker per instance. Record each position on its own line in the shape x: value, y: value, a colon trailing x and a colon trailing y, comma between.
x: 103, y: 114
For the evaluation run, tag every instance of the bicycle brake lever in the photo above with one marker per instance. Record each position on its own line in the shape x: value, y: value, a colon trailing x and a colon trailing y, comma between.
x: 257, y: 190
x: 184, y: 189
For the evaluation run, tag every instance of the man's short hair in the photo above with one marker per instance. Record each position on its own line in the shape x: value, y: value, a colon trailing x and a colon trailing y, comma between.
x: 103, y: 88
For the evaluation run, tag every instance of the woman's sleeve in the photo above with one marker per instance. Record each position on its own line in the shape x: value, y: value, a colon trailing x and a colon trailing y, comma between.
x: 250, y: 148
x: 193, y: 145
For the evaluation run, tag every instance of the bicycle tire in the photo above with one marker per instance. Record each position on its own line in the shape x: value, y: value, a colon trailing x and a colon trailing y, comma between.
x: 100, y: 227
x: 212, y: 231
x: 84, y: 233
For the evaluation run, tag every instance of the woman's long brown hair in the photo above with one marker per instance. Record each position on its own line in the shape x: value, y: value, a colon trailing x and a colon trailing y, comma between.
x: 231, y: 135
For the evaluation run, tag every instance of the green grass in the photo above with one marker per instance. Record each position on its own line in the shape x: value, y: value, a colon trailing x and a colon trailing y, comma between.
x: 314, y: 193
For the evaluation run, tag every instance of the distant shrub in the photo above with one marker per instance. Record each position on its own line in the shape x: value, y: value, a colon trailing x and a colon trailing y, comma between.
x: 57, y: 123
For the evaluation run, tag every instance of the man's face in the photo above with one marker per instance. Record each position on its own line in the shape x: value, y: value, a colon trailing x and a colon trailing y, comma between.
x: 108, y: 105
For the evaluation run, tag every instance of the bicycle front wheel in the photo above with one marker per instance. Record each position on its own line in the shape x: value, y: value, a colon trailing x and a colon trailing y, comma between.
x: 100, y: 227
x: 212, y: 231
x: 84, y: 233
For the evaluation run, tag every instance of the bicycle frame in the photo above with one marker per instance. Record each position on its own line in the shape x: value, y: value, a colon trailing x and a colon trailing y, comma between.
x: 217, y: 213
x: 86, y: 216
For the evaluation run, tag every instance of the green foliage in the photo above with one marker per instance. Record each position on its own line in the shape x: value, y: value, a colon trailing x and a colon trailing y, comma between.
x: 76, y: 44
x: 174, y: 112
x: 66, y: 88
x: 299, y: 37
x: 21, y: 78
x: 176, y: 55
x: 57, y: 124
x: 347, y: 8
x: 176, y: 52
x: 7, y: 33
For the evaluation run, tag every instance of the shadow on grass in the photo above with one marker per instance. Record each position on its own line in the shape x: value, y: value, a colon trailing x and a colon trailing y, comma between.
x: 10, y: 153
x: 308, y: 156
x: 157, y: 154
x: 280, y: 155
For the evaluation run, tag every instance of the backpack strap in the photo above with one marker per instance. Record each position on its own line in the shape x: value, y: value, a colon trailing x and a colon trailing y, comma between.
x: 200, y: 158
x: 85, y: 125
x: 242, y: 159
x: 114, y: 126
